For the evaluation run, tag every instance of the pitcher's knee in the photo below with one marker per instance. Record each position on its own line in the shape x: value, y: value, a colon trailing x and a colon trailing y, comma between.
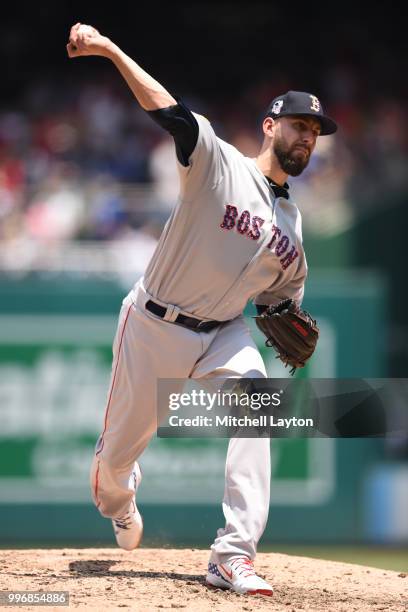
x: 110, y: 488
x: 94, y: 481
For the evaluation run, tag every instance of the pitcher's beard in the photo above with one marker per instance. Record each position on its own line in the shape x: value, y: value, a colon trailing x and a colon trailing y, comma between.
x: 289, y: 161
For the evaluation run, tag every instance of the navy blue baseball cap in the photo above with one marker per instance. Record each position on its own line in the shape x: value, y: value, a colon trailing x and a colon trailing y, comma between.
x: 301, y: 103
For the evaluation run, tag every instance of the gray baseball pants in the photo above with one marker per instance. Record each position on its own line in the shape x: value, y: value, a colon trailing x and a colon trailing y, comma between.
x: 147, y: 348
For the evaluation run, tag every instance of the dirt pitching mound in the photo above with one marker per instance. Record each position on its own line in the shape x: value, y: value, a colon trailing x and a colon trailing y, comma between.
x: 158, y: 579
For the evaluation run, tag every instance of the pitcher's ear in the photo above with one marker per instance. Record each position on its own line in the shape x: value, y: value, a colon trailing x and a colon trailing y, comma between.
x: 268, y: 126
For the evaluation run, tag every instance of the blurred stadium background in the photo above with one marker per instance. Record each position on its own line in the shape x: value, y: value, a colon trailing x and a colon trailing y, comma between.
x: 87, y: 181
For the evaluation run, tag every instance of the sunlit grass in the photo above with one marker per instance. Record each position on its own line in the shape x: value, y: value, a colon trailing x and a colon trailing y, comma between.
x: 385, y: 558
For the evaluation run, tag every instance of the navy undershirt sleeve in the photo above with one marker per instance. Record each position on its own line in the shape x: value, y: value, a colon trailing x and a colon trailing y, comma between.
x: 180, y: 122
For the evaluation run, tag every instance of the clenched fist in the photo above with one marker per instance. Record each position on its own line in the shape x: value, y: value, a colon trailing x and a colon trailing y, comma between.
x: 86, y: 40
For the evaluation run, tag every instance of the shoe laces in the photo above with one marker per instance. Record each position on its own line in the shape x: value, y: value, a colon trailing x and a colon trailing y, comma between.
x: 123, y: 522
x: 243, y: 566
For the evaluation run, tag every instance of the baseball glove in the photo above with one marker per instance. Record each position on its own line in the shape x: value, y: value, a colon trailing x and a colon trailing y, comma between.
x: 291, y: 331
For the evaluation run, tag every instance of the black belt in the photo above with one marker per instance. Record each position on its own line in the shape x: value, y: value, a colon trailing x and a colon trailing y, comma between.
x: 190, y: 322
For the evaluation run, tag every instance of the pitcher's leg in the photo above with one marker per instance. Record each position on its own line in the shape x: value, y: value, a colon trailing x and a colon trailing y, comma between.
x: 246, y: 498
x: 128, y: 425
x: 143, y: 352
x: 233, y: 354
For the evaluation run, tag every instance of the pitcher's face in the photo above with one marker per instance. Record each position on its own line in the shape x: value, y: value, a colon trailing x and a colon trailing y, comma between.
x: 294, y: 140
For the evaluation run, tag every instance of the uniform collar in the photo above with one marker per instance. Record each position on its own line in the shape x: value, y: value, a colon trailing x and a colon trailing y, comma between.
x: 278, y: 190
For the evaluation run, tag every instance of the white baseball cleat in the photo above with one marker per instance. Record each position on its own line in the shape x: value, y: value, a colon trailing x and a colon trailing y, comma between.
x: 129, y: 527
x: 237, y: 574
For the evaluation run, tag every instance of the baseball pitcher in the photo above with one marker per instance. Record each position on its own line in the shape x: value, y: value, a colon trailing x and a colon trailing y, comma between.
x: 234, y: 235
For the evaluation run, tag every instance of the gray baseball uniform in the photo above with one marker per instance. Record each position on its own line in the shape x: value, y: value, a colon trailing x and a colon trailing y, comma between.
x: 228, y: 240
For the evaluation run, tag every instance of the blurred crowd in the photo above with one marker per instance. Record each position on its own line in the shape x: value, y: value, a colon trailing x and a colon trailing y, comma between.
x: 92, y: 166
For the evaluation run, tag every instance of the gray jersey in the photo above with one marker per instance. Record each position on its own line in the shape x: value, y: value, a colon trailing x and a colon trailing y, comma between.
x: 229, y: 239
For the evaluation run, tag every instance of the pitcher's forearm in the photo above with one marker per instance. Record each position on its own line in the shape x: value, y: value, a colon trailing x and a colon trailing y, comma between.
x: 148, y: 92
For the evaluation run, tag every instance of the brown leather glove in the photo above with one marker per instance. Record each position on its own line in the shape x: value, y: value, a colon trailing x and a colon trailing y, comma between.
x: 291, y: 331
